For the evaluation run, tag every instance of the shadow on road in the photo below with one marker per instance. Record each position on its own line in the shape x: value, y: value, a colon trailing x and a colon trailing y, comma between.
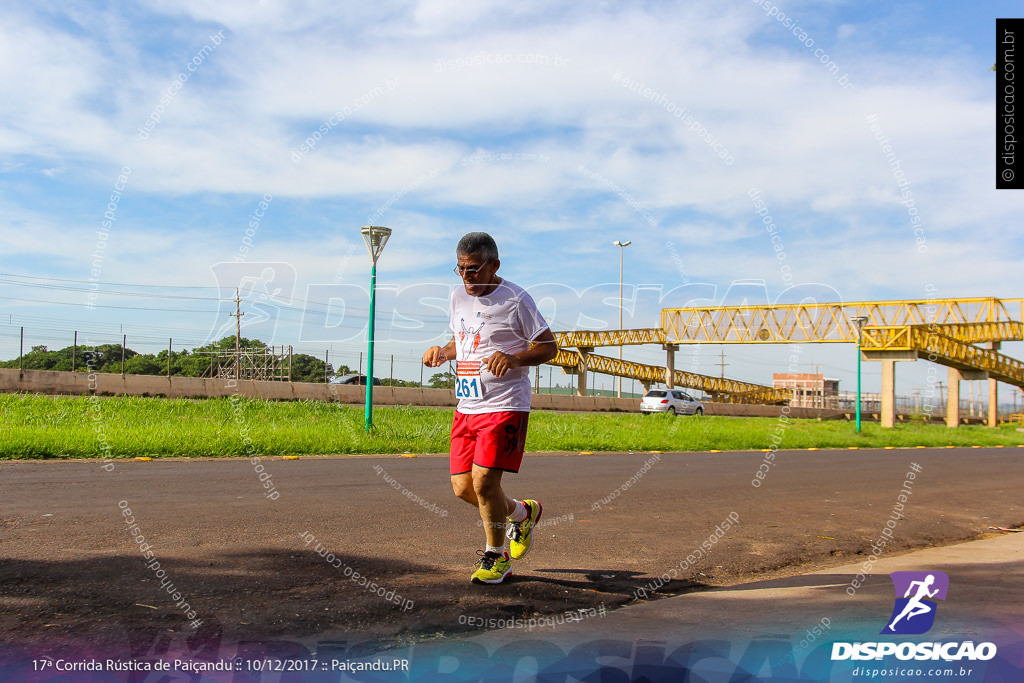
x: 126, y: 605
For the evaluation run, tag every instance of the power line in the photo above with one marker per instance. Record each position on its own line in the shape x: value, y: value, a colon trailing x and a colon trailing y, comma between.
x: 111, y: 284
x: 96, y: 290
x: 281, y: 303
x: 125, y: 308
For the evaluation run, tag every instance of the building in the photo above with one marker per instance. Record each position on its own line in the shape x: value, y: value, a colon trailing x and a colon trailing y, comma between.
x: 810, y: 390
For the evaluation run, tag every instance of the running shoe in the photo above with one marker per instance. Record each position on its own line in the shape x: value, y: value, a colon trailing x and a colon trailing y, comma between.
x: 520, y: 534
x: 493, y: 568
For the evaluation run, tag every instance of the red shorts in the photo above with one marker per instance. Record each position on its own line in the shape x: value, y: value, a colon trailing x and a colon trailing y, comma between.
x: 493, y: 440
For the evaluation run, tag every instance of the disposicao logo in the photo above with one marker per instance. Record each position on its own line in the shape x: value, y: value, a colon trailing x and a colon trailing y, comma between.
x: 914, y: 611
x: 913, y: 614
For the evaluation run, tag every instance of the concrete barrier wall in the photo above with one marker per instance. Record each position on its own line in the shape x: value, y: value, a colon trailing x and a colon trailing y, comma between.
x: 82, y: 383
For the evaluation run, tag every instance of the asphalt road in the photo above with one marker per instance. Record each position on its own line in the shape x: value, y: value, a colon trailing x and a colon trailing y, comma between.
x: 73, y: 577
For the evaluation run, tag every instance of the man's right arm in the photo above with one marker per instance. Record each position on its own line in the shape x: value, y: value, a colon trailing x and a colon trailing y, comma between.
x: 438, y: 355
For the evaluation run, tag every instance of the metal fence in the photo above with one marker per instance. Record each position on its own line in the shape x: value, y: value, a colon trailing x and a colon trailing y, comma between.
x: 403, y: 364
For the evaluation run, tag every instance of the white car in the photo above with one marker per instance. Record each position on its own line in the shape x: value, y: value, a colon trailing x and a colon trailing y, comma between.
x: 670, y: 401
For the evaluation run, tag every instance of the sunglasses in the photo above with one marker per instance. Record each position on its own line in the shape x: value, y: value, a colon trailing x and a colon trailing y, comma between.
x: 462, y: 271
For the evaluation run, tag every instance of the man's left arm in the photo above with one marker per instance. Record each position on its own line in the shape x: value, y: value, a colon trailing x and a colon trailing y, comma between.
x: 543, y: 348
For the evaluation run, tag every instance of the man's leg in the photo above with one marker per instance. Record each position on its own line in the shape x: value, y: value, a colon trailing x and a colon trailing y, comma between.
x: 484, y: 489
x: 462, y: 485
x: 463, y: 448
x: 495, y: 441
x: 494, y: 564
x: 494, y: 505
x: 500, y: 449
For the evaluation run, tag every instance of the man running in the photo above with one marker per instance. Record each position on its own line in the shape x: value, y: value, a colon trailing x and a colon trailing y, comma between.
x: 915, y: 606
x: 497, y: 333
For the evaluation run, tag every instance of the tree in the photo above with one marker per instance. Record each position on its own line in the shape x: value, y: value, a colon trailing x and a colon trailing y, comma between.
x: 228, y: 344
x: 388, y: 382
x: 194, y: 363
x: 184, y: 363
x: 103, y: 358
x: 140, y: 364
x: 443, y: 380
x: 307, y: 368
x: 39, y: 358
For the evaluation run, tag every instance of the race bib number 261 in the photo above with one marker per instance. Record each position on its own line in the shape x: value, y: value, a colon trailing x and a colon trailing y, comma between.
x: 467, y: 379
x: 468, y: 387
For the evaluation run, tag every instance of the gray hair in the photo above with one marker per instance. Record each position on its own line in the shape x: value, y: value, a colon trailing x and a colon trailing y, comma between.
x: 477, y: 244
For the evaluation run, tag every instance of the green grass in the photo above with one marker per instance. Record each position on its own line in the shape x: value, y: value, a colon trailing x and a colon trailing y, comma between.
x: 34, y: 427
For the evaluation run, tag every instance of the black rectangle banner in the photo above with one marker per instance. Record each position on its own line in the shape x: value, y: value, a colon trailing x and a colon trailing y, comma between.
x: 1009, y: 157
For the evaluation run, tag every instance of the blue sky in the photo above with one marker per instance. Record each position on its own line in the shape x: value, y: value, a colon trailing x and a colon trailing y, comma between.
x: 557, y: 127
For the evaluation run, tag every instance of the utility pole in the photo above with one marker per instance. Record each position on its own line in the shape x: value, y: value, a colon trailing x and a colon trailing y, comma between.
x: 237, y: 315
x: 722, y: 363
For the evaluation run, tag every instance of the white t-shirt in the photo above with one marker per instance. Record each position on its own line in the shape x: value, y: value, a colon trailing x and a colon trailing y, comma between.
x: 505, y: 320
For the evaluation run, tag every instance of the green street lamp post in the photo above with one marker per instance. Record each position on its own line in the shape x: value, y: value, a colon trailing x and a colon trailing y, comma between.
x: 375, y: 237
x: 622, y: 247
x: 859, y: 321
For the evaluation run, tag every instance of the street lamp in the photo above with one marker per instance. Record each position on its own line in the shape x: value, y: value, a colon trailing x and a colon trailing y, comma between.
x: 860, y: 321
x: 622, y: 247
x: 375, y: 237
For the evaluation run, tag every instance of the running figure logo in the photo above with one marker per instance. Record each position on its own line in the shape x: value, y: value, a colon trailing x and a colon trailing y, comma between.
x: 469, y: 338
x: 469, y: 386
x: 914, y: 612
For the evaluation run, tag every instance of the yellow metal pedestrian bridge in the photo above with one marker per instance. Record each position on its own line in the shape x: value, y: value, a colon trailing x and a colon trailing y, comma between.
x: 944, y: 331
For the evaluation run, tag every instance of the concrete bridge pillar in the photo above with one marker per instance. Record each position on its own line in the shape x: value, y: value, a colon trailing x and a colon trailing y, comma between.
x: 888, y: 393
x: 993, y: 393
x: 953, y: 404
x: 889, y: 360
x: 581, y: 371
x: 670, y: 364
x: 953, y: 401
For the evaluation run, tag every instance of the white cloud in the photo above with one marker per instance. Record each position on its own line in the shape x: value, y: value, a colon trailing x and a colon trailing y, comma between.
x: 455, y: 118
